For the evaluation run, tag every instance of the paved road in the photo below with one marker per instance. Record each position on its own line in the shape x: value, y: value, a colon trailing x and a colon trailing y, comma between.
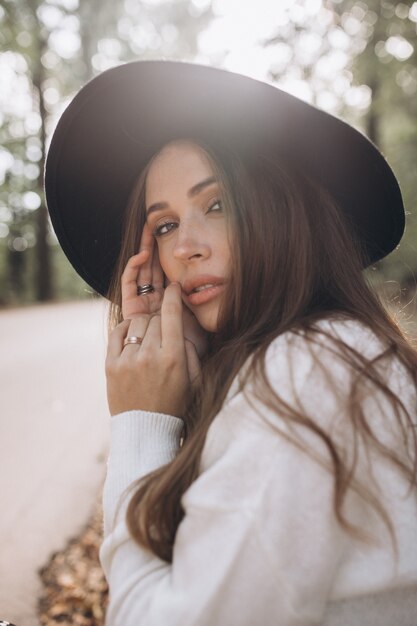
x: 54, y: 433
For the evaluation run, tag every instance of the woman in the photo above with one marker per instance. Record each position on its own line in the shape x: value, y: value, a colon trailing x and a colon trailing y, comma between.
x: 263, y: 401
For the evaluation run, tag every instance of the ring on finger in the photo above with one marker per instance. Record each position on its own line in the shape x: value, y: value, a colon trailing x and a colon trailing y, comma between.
x: 143, y: 289
x: 132, y: 340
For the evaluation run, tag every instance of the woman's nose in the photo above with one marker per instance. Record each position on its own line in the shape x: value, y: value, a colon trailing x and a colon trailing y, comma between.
x: 191, y: 242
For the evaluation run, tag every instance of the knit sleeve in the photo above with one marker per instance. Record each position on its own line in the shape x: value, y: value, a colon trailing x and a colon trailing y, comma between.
x: 259, y: 542
x: 140, y: 442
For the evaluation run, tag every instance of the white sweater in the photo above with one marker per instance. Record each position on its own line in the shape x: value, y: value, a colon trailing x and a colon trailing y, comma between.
x: 259, y: 543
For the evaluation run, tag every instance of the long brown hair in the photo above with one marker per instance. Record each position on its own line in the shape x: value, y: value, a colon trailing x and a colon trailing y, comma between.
x: 305, y: 265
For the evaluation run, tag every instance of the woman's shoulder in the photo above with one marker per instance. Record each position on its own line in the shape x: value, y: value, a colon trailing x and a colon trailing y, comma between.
x: 326, y: 340
x: 349, y: 329
x: 324, y: 359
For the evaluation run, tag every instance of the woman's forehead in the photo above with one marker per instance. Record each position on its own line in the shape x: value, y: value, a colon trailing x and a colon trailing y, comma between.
x: 178, y: 162
x: 180, y: 148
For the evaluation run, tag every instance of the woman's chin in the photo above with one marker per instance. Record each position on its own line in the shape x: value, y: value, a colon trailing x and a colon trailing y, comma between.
x: 210, y: 328
x: 206, y: 318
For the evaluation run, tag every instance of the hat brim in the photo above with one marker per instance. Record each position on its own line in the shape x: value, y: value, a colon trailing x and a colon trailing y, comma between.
x: 123, y: 116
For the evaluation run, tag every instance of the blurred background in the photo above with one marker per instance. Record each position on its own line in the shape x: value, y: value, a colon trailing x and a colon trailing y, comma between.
x: 355, y: 59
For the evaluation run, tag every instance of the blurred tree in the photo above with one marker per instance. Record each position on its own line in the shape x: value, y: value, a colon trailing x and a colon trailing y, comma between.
x: 48, y: 50
x: 24, y: 44
x: 38, y: 73
x: 375, y: 86
x: 304, y: 52
x: 386, y: 61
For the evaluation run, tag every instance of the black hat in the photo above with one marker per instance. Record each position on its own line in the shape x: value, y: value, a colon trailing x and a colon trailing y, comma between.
x: 123, y: 116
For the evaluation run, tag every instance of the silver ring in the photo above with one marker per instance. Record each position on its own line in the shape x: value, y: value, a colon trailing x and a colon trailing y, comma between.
x: 132, y: 339
x: 143, y: 289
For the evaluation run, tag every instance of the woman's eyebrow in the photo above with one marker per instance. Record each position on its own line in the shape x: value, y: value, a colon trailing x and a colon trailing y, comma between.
x: 194, y: 191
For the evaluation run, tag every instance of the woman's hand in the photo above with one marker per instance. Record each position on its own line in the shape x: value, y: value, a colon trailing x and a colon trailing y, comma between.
x: 142, y: 269
x: 157, y: 374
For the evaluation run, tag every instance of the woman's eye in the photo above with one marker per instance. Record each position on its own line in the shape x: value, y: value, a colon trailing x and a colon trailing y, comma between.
x: 217, y: 202
x: 165, y: 228
x: 158, y: 231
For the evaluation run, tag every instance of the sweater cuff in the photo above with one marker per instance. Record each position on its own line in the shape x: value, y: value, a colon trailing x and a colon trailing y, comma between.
x: 143, y: 439
x: 140, y: 442
x: 147, y: 424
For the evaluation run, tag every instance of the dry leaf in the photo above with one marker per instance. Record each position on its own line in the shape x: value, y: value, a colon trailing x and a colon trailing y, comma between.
x: 75, y: 591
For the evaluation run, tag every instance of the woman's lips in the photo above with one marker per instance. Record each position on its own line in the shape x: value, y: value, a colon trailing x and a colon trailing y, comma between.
x: 199, y: 297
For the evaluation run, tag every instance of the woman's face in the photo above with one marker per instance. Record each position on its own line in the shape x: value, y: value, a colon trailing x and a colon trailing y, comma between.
x: 185, y: 215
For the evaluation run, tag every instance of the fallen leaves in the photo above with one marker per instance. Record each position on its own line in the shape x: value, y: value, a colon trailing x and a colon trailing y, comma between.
x: 75, y: 591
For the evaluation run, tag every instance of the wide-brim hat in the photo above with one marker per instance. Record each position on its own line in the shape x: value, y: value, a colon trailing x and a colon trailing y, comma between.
x: 119, y: 119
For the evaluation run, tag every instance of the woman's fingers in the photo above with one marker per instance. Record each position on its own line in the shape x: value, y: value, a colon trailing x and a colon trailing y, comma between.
x: 128, y: 328
x: 116, y: 338
x: 147, y: 242
x: 130, y: 275
x: 138, y: 327
x: 171, y: 320
x: 142, y: 269
x: 157, y: 271
x: 193, y: 363
x: 152, y: 338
